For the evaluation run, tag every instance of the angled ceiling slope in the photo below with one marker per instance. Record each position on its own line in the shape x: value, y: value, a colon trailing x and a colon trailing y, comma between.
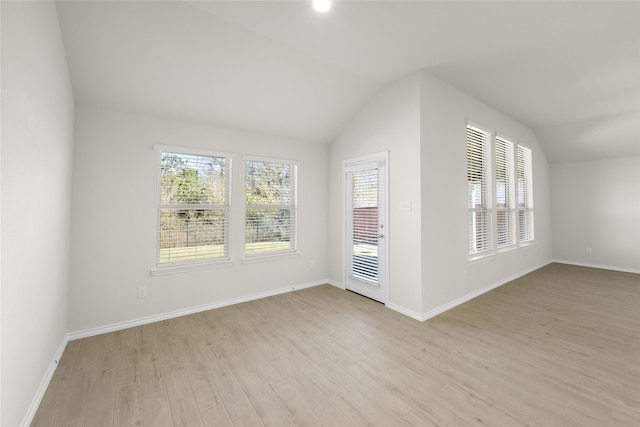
x: 569, y: 70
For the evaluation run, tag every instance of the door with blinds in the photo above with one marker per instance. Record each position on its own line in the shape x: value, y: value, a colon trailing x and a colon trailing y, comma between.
x: 366, y: 230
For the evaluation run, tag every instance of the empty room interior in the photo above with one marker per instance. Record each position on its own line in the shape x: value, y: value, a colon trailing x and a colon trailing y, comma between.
x: 346, y: 213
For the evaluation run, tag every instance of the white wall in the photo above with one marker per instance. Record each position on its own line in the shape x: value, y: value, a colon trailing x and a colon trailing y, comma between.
x: 114, y: 219
x: 447, y: 273
x: 596, y: 205
x: 37, y: 146
x: 390, y: 121
x: 422, y: 122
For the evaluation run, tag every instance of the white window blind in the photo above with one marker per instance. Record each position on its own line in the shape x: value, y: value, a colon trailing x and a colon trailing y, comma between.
x: 504, y: 190
x: 193, y: 212
x: 270, y: 206
x: 479, y: 190
x: 365, y: 220
x: 525, y: 195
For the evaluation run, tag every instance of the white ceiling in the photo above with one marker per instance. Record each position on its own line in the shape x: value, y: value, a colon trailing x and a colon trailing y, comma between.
x: 569, y: 70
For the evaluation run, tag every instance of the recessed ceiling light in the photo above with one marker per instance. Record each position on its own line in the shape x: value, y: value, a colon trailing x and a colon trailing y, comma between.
x: 322, y: 5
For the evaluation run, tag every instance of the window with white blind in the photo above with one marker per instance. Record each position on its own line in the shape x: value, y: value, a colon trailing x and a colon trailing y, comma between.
x: 525, y: 195
x: 193, y: 208
x: 505, y: 201
x: 500, y: 194
x: 364, y: 223
x: 270, y: 206
x: 479, y: 190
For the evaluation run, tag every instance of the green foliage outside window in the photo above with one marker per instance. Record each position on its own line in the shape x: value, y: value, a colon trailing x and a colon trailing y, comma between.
x: 193, y: 215
x: 270, y: 215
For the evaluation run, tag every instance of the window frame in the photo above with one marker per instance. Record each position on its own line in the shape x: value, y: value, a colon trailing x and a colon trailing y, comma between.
x: 486, y: 196
x: 292, y: 206
x: 510, y: 209
x: 529, y: 198
x: 515, y: 210
x: 208, y: 262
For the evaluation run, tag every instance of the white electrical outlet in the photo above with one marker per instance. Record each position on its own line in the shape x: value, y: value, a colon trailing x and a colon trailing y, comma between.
x: 142, y: 291
x: 589, y: 250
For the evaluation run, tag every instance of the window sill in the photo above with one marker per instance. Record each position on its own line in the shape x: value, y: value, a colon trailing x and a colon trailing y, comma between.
x: 175, y: 269
x: 499, y: 252
x: 481, y: 257
x: 269, y: 257
x: 507, y: 250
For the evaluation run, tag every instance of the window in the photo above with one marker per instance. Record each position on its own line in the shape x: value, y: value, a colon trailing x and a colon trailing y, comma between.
x: 500, y: 195
x: 479, y: 192
x: 525, y: 195
x: 505, y: 203
x: 193, y: 208
x: 270, y: 206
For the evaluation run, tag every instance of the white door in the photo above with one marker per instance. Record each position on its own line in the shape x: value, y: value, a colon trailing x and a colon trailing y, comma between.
x: 366, y: 231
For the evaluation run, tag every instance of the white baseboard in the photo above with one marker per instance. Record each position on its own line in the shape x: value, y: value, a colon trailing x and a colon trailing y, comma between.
x: 405, y: 311
x: 448, y: 306
x: 150, y: 319
x: 33, y: 408
x: 600, y: 266
x: 335, y: 283
x: 44, y: 384
x: 178, y: 313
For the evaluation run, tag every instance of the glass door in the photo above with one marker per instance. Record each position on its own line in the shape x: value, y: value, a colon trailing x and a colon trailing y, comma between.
x: 365, y: 189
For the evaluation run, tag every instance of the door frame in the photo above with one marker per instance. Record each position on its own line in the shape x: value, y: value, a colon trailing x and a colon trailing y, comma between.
x: 382, y: 158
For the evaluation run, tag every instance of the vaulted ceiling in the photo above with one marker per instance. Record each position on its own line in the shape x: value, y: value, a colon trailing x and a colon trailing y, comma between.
x: 568, y: 70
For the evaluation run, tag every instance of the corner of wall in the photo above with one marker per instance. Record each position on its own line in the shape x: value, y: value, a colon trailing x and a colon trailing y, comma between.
x: 37, y: 399
x: 37, y: 124
x: 389, y: 122
x: 448, y: 275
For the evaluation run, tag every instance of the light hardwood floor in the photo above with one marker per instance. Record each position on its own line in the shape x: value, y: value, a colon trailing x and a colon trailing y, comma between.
x: 560, y: 346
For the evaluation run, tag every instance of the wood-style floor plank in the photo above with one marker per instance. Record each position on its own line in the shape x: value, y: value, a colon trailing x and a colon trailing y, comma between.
x: 557, y: 347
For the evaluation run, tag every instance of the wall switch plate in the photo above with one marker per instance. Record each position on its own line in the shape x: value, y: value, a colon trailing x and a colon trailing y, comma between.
x: 405, y: 206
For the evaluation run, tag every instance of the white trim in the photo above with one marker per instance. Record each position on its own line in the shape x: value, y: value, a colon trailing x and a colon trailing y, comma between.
x: 406, y: 311
x: 292, y: 206
x: 481, y: 256
x: 379, y: 159
x: 472, y: 295
x: 266, y: 256
x: 514, y: 141
x: 493, y: 210
x: 526, y: 145
x: 501, y: 252
x: 37, y: 399
x: 190, y: 150
x: 361, y: 162
x: 337, y: 284
x: 246, y: 157
x: 28, y: 418
x: 448, y: 306
x: 483, y: 128
x: 197, y: 309
x: 177, y: 267
x: 600, y: 266
x: 174, y: 269
x: 488, y: 205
